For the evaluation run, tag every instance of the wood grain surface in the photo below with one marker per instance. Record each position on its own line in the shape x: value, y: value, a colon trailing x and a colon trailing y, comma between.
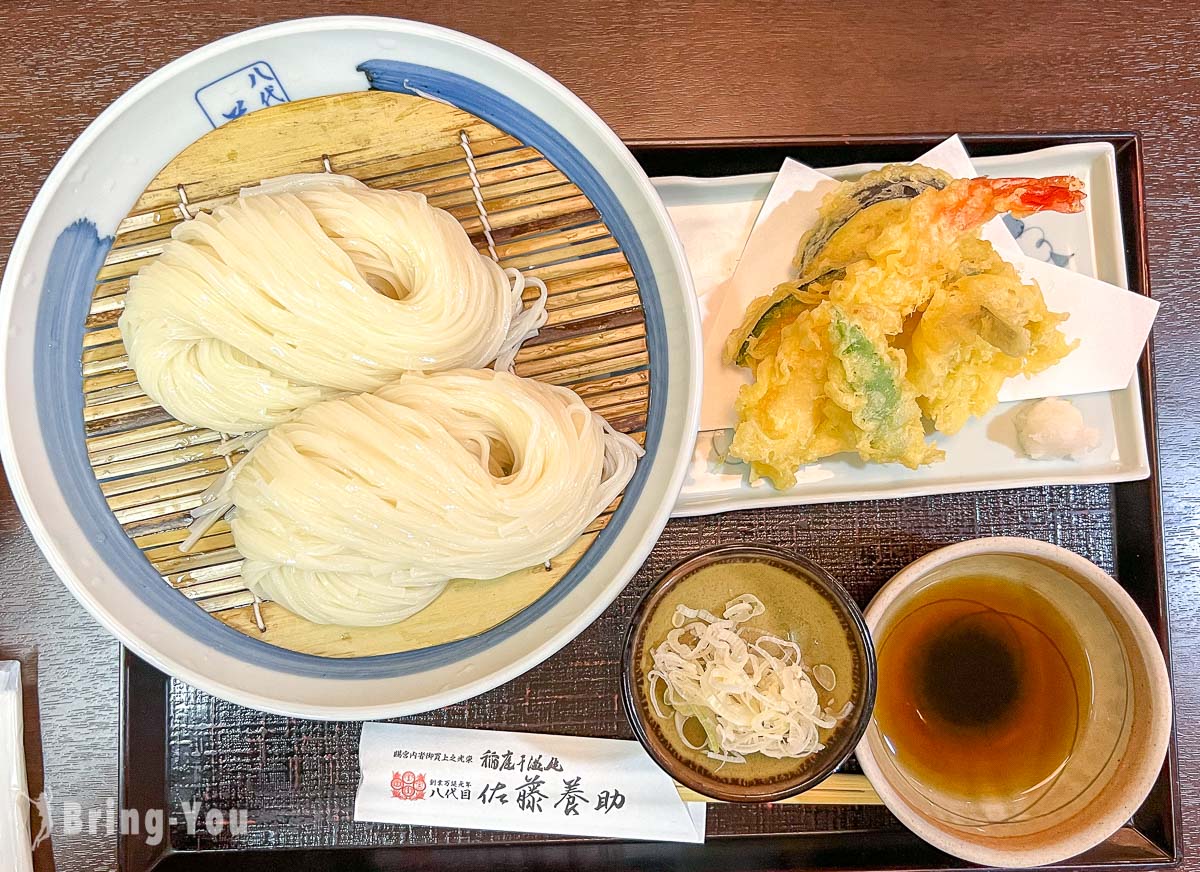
x: 671, y: 69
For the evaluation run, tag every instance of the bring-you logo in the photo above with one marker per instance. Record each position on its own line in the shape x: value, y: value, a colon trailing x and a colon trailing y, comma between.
x: 72, y: 819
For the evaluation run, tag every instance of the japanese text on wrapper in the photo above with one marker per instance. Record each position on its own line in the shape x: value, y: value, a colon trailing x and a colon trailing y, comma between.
x: 538, y: 784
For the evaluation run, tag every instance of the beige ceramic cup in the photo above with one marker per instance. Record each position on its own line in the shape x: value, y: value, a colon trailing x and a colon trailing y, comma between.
x: 1118, y: 753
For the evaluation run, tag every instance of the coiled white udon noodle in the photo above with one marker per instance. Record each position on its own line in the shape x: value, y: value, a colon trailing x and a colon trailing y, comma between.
x: 362, y: 508
x: 309, y: 286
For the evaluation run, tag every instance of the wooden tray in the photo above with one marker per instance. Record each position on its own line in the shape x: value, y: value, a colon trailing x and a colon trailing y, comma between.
x: 152, y: 468
x: 297, y: 778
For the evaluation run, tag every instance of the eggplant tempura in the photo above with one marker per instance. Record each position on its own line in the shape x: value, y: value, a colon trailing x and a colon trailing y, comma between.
x: 899, y: 312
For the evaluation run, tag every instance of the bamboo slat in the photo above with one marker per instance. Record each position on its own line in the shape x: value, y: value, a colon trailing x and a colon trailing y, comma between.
x: 152, y: 469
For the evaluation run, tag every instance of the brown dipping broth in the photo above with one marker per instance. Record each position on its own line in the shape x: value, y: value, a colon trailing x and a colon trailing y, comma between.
x: 983, y: 688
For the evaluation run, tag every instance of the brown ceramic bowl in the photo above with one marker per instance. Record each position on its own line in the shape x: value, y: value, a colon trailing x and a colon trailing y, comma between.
x: 802, y: 600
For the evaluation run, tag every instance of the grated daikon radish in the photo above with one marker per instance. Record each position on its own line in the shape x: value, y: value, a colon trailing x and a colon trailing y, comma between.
x: 751, y: 693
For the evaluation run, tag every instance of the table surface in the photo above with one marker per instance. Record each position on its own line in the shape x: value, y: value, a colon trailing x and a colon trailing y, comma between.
x: 707, y: 68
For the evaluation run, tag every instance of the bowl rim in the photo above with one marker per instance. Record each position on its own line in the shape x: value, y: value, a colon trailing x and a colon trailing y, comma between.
x: 354, y: 702
x: 650, y: 601
x: 1160, y: 714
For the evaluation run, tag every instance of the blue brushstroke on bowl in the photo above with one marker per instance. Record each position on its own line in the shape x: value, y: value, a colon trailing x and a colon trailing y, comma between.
x: 76, y: 259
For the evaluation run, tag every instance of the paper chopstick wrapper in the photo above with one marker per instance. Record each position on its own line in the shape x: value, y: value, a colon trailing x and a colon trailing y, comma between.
x: 15, y: 844
x: 519, y: 782
x: 1111, y: 323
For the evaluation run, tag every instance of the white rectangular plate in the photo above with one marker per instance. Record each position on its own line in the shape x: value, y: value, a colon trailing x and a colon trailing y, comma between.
x: 713, y: 217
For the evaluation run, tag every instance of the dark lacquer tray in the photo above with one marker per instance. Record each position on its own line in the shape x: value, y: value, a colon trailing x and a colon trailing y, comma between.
x: 296, y: 779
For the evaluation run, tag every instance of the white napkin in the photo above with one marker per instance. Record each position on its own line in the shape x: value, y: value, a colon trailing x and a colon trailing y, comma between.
x: 713, y: 236
x: 15, y: 845
x: 519, y: 782
x: 1111, y: 323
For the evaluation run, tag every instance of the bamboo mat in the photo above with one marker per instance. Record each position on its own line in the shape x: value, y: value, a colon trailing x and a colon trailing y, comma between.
x: 153, y: 468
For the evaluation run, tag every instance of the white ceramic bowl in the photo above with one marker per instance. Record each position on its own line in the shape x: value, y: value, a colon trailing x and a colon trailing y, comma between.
x: 1118, y: 751
x: 48, y: 285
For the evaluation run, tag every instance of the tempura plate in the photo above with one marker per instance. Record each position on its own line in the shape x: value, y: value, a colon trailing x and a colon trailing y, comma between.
x: 984, y: 455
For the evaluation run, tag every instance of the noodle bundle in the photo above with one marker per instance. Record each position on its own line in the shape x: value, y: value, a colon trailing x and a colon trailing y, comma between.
x: 310, y: 286
x: 362, y: 508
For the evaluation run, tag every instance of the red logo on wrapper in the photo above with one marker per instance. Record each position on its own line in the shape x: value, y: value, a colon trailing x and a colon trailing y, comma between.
x: 408, y: 785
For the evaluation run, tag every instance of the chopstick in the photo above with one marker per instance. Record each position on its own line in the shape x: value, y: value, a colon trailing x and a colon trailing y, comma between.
x: 837, y: 789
